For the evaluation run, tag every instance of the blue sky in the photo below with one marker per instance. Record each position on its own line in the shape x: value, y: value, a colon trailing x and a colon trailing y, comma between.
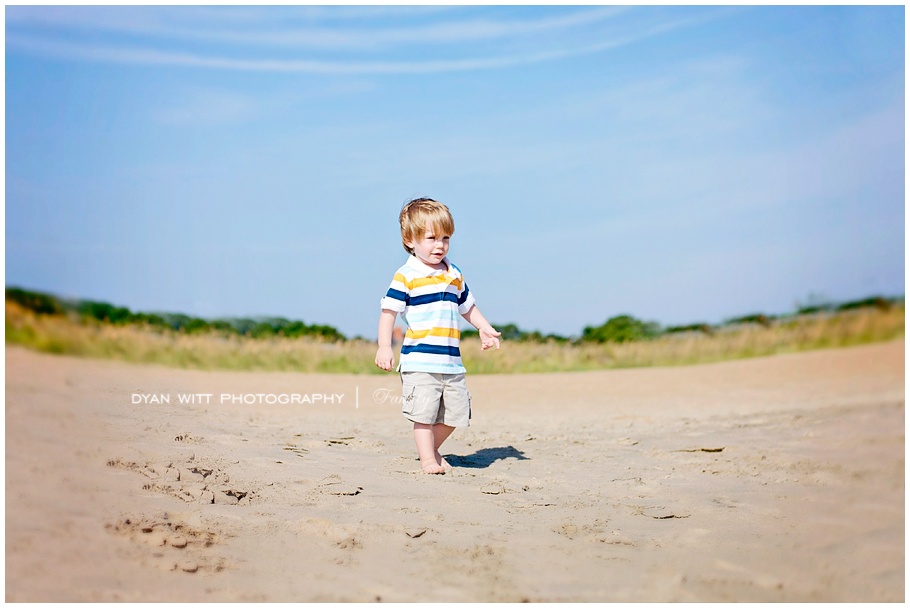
x: 680, y: 164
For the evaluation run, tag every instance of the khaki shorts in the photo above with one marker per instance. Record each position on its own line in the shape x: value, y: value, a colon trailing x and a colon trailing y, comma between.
x: 435, y: 398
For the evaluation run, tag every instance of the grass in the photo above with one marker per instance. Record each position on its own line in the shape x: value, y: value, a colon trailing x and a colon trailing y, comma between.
x: 150, y: 344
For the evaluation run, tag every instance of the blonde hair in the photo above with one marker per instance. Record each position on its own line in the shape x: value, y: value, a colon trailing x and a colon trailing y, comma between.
x: 414, y: 216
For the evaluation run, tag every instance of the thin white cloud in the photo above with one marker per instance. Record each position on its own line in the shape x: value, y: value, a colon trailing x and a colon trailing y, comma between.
x: 151, y: 18
x: 222, y: 26
x: 69, y: 51
x: 459, y: 31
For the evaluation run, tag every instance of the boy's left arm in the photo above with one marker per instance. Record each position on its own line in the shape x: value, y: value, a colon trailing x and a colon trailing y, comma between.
x: 489, y: 337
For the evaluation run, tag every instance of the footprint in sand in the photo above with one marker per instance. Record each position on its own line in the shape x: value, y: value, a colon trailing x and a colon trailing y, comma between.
x: 190, y: 482
x: 173, y: 545
x: 346, y: 538
x: 664, y: 513
x: 592, y: 530
x: 335, y: 486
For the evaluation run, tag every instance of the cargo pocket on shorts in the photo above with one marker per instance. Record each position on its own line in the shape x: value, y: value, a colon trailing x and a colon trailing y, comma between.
x: 469, y: 403
x: 408, y: 399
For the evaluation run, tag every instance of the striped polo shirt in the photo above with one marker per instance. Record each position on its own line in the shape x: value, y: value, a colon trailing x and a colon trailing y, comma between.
x: 430, y: 302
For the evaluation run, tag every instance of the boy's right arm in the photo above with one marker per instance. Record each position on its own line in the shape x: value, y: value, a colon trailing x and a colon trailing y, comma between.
x: 385, y: 358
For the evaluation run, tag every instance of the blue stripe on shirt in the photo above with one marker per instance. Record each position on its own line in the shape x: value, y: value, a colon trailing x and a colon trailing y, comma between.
x: 464, y: 295
x: 397, y: 295
x: 431, y: 349
x: 440, y: 296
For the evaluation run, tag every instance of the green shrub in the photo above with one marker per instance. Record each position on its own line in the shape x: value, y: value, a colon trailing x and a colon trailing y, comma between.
x: 624, y: 328
x: 36, y: 302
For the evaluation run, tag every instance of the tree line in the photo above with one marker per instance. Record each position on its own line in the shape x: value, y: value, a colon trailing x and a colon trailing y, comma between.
x: 621, y: 328
x: 262, y: 327
x: 626, y: 328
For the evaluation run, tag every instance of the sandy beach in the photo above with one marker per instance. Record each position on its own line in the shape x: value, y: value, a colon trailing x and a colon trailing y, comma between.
x: 768, y: 479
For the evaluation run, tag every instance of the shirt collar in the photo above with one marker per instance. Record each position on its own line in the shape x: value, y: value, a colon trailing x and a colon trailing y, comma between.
x: 415, y: 263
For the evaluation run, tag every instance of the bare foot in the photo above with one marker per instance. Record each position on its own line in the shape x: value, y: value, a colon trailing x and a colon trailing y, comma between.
x: 432, y: 468
x: 442, y: 461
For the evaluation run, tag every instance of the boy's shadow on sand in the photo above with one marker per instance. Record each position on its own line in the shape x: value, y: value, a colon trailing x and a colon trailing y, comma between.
x: 481, y: 459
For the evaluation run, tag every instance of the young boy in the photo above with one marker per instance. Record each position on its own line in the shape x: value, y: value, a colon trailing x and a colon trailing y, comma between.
x: 430, y: 294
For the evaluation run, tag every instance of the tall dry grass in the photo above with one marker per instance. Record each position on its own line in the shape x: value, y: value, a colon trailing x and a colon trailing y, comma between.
x: 847, y: 328
x: 149, y: 344
x: 143, y: 344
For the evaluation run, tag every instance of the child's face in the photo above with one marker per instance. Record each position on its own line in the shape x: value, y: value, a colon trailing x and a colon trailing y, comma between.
x: 432, y: 247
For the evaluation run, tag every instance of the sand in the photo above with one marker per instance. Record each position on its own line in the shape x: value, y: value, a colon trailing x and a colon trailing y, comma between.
x: 770, y: 479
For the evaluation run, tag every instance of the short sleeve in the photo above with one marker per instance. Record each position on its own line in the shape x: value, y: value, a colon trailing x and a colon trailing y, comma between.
x: 465, y: 300
x: 398, y: 295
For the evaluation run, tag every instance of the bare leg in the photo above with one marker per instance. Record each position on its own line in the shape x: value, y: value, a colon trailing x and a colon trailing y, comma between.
x: 424, y: 437
x: 441, y: 432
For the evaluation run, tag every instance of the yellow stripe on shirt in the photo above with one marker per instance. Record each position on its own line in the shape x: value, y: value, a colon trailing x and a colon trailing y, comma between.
x: 441, y: 332
x: 424, y: 281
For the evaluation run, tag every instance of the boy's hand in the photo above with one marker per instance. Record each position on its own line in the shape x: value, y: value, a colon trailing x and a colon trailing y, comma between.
x: 489, y: 338
x: 385, y: 358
